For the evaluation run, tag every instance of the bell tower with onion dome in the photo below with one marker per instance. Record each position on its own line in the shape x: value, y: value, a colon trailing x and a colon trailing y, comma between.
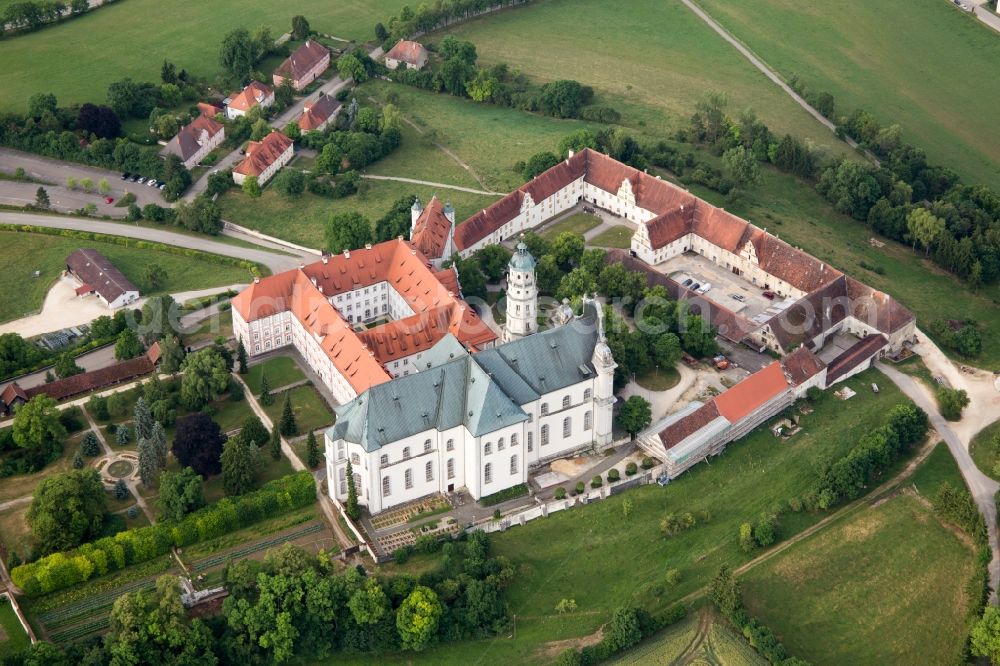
x: 522, y: 295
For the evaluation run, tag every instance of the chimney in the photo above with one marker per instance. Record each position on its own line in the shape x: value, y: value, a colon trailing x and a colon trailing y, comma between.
x: 256, y: 280
x: 326, y: 259
x: 301, y: 265
x: 368, y: 246
x: 313, y: 278
x: 347, y: 254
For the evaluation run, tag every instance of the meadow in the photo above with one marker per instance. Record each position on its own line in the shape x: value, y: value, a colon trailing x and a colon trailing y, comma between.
x: 77, y: 59
x: 984, y: 453
x: 25, y: 253
x: 943, y: 94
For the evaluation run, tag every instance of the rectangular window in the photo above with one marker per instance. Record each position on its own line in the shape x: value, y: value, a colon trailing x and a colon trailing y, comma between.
x: 408, y: 479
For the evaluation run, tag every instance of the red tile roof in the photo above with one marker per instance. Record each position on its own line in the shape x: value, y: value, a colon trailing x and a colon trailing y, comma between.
x: 12, y: 392
x: 801, y: 365
x: 206, y: 109
x: 262, y: 154
x: 61, y: 389
x: 317, y: 112
x: 407, y: 51
x: 854, y: 356
x: 679, y: 430
x: 430, y: 233
x: 302, y: 61
x: 251, y: 96
x: 751, y: 393
x: 94, y: 269
x: 359, y: 356
x: 188, y: 140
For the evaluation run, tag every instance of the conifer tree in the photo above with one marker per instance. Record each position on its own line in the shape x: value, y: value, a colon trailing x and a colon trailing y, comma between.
x: 241, y: 357
x: 159, y: 439
x: 352, y: 508
x: 288, y: 426
x: 276, y: 444
x: 121, y: 490
x: 312, y: 451
x: 149, y: 464
x: 90, y: 447
x: 265, y: 390
x: 143, y: 419
x: 239, y: 465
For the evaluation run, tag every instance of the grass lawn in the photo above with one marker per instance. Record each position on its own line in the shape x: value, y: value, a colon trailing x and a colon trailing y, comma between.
x: 578, y: 553
x: 983, y: 452
x: 123, y: 33
x: 863, y: 54
x: 21, y: 485
x: 230, y: 414
x: 886, y: 585
x: 269, y: 470
x: 940, y: 466
x: 25, y: 253
x: 721, y: 645
x: 652, y: 62
x: 577, y: 223
x: 14, y: 637
x: 620, y: 237
x: 417, y: 157
x: 218, y: 324
x: 311, y: 411
x: 659, y: 380
x: 280, y: 371
x: 302, y: 450
x: 304, y: 220
x: 15, y: 532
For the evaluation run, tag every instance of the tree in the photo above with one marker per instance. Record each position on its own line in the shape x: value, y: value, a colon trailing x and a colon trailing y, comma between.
x: 747, y: 543
x: 470, y: 276
x: 152, y: 627
x: 205, y: 376
x: 329, y: 159
x: 142, y: 419
x: 493, y: 260
x: 624, y: 631
x: 42, y: 199
x: 266, y: 397
x: 275, y: 444
x: 251, y: 187
x: 198, y: 444
x: 725, y: 592
x: 67, y: 509
x: 66, y: 366
x: 87, y: 184
x: 238, y: 55
x: 564, y: 98
x: 90, y: 446
x: 924, y: 227
x: 149, y: 463
x: 300, y: 27
x: 369, y: 604
x: 381, y: 34
x: 122, y: 435
x: 952, y: 402
x: 241, y: 357
x: 635, y: 415
x: 103, y: 187
x: 567, y: 248
x: 121, y: 490
x: 577, y: 141
x: 349, y: 66
x: 36, y: 424
x: 538, y: 163
x: 313, y: 457
x: 290, y: 182
x: 171, y: 354
x: 199, y: 215
x: 168, y: 72
x: 180, y: 493
x: 284, y: 95
x: 41, y: 103
x: 353, y: 509
x: 253, y: 430
x: 417, y: 618
x: 984, y: 638
x: 287, y: 425
x: 765, y: 530
x: 348, y: 231
x: 240, y: 463
x: 159, y: 318
x: 667, y: 350
x: 741, y: 166
x: 159, y: 440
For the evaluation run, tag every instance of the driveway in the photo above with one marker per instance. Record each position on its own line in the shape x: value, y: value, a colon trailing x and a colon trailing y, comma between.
x: 274, y: 261
x: 56, y: 172
x: 61, y: 199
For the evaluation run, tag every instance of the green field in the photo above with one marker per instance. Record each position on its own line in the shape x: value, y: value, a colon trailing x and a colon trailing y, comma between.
x: 304, y: 220
x: 943, y: 93
x: 77, y: 59
x: 417, y: 157
x: 602, y: 560
x: 311, y: 411
x: 280, y: 371
x: 619, y: 237
x: 25, y: 253
x: 982, y: 451
x: 577, y: 223
x: 12, y: 634
x: 719, y: 645
x: 884, y: 586
x: 652, y: 60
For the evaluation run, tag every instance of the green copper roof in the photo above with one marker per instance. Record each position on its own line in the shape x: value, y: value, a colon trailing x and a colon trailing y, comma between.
x: 522, y: 259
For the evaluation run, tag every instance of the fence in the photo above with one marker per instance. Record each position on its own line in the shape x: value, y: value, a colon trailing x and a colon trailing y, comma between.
x: 271, y: 239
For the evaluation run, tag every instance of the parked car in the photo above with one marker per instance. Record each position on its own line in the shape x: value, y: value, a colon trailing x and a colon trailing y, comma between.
x: 874, y: 387
x: 162, y: 185
x: 126, y: 175
x: 151, y: 183
x: 663, y: 479
x: 687, y: 282
x: 705, y: 288
x: 738, y: 297
x: 109, y: 200
x: 695, y: 286
x: 769, y: 295
x: 141, y: 180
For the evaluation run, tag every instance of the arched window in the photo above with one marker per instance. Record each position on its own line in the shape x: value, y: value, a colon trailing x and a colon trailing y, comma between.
x: 451, y: 468
x: 513, y: 440
x: 531, y: 441
x: 384, y: 460
x: 355, y: 459
x: 427, y: 445
x: 406, y: 453
x: 500, y: 444
x: 386, y: 489
x: 451, y: 445
x: 587, y: 394
x: 343, y: 480
x: 513, y: 464
x: 429, y: 470
x: 567, y: 427
x: 565, y: 402
x: 544, y: 408
x: 588, y: 420
x: 488, y: 448
x: 488, y: 473
x: 545, y: 434
x: 408, y: 478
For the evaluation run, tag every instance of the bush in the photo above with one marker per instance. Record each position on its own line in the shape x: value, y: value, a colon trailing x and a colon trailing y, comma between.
x: 504, y: 495
x: 814, y: 393
x: 402, y: 555
x: 952, y: 402
x: 71, y: 418
x: 560, y: 493
x: 596, y: 482
x: 631, y: 469
x: 613, y: 475
x: 580, y: 487
x: 648, y: 463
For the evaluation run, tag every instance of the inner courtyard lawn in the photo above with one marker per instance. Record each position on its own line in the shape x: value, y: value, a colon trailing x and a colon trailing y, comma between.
x: 577, y: 223
x: 603, y: 559
x: 25, y: 253
x: 943, y: 94
x: 77, y: 59
x: 616, y: 237
x: 280, y: 371
x: 311, y: 411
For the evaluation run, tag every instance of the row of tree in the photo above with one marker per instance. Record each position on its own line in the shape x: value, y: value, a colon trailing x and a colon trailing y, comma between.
x: 29, y: 15
x: 408, y: 23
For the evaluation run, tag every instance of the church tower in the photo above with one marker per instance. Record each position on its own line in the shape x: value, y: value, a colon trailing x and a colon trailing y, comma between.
x: 415, y: 210
x: 522, y: 295
x: 604, y: 385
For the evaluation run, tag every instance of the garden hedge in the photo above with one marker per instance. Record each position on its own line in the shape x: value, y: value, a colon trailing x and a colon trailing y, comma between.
x: 61, y: 570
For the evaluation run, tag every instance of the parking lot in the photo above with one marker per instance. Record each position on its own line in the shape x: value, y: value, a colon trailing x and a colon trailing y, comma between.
x: 728, y: 290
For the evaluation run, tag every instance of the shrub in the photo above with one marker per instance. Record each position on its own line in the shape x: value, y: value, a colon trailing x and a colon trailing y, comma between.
x: 560, y: 493
x: 402, y: 555
x: 132, y: 512
x: 504, y: 495
x: 648, y: 463
x: 71, y: 419
x: 613, y: 475
x: 795, y: 505
x: 631, y: 469
x: 580, y: 487
x: 813, y: 393
x: 596, y: 482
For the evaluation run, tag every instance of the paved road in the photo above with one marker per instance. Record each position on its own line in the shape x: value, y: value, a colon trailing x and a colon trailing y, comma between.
x: 982, y: 487
x: 61, y: 199
x: 432, y: 184
x: 275, y: 262
x: 986, y: 15
x: 57, y: 171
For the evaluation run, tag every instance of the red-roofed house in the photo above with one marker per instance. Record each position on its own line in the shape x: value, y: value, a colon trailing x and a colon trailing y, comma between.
x: 254, y: 94
x: 265, y: 158
x: 303, y: 66
x: 196, y: 140
x: 318, y: 113
x: 411, y: 55
x: 432, y: 229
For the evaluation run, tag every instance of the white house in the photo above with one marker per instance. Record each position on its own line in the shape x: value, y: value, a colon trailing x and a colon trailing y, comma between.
x: 196, y: 140
x: 97, y: 275
x: 265, y: 158
x: 254, y: 94
x: 409, y: 55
